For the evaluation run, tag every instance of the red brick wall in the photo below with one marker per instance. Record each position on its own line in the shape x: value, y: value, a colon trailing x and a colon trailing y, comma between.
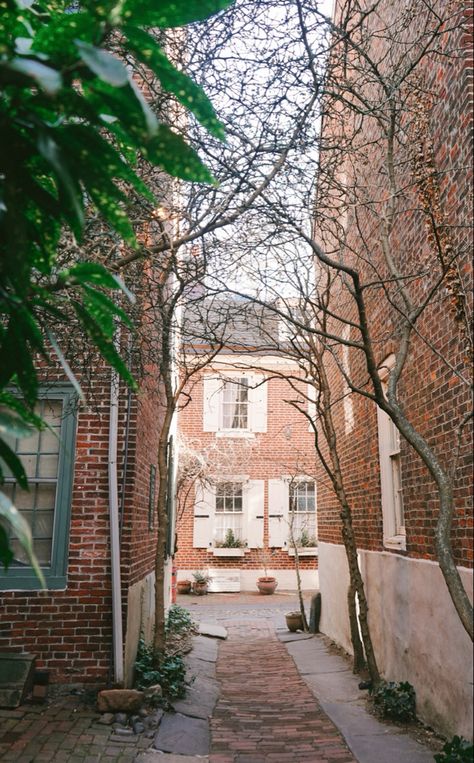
x: 434, y: 399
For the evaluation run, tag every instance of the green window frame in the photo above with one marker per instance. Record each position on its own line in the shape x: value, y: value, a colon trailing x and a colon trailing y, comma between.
x: 21, y: 578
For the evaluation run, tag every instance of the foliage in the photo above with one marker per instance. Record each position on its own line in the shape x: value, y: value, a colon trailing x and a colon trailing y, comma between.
x: 395, y: 700
x: 201, y: 577
x: 230, y: 541
x: 166, y: 670
x: 305, y: 540
x: 457, y: 750
x: 178, y: 620
x: 76, y: 124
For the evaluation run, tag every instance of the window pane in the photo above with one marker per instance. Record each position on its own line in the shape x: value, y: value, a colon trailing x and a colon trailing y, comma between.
x: 25, y: 499
x: 53, y: 412
x: 44, y: 524
x: 48, y: 466
x: 50, y: 441
x: 29, y: 465
x: 28, y: 444
x: 46, y: 496
x: 42, y: 549
x: 28, y: 515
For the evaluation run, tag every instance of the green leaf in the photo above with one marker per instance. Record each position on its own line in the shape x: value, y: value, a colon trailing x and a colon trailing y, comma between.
x: 13, y: 463
x: 104, y: 64
x: 170, y: 13
x: 45, y: 77
x: 57, y: 37
x: 104, y: 309
x: 93, y: 272
x: 103, y: 343
x: 146, y: 49
x: 136, y: 120
x: 51, y: 152
x: 6, y: 554
x: 176, y: 157
x: 10, y: 515
x: 13, y: 426
x: 16, y: 404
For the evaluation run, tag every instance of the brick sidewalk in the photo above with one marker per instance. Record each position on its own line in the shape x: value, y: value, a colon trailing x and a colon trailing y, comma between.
x: 266, y: 713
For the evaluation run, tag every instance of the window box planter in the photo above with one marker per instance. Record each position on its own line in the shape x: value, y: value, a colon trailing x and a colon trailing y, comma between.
x: 227, y: 551
x: 304, y: 551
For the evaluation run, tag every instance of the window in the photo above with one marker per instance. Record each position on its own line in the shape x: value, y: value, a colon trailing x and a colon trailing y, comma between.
x: 48, y: 459
x: 234, y: 504
x: 390, y: 475
x: 302, y: 512
x: 229, y: 510
x: 235, y: 404
x: 292, y: 506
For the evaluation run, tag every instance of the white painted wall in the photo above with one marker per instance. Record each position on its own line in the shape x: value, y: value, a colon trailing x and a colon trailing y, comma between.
x: 416, y: 631
x: 286, y: 579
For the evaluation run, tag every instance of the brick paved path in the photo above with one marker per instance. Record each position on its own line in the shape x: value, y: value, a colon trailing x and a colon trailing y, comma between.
x: 266, y: 713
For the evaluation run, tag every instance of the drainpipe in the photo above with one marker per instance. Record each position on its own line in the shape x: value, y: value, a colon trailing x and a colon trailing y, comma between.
x: 117, y: 631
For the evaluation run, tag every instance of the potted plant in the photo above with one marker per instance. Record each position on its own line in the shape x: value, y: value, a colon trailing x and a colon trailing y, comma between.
x: 184, y: 586
x: 294, y: 621
x: 201, y: 580
x: 230, y: 546
x: 266, y: 584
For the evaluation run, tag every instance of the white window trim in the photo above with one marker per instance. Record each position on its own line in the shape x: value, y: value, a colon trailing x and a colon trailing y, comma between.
x: 256, y: 381
x: 394, y: 535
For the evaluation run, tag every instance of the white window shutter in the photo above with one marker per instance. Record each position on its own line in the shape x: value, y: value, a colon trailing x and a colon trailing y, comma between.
x: 254, y: 508
x: 278, y: 505
x: 212, y: 387
x: 383, y: 422
x: 204, y: 508
x: 311, y: 405
x: 258, y: 404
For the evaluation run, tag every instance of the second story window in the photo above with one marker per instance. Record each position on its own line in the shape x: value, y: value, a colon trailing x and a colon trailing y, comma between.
x: 235, y: 404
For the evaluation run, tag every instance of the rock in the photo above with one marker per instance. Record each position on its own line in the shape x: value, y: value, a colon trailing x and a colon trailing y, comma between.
x: 106, y: 719
x: 153, y: 692
x: 138, y: 727
x: 121, y: 718
x: 143, y: 712
x: 214, y: 631
x: 124, y: 732
x: 120, y: 700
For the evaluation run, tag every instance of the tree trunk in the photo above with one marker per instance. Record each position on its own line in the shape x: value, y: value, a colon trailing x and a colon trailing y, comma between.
x: 359, y: 661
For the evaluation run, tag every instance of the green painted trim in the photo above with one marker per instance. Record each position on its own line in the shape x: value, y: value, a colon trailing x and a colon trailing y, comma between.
x: 23, y: 578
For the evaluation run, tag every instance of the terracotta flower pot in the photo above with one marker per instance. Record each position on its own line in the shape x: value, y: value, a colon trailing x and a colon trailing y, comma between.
x: 183, y: 586
x: 267, y: 585
x: 294, y: 621
x: 200, y: 589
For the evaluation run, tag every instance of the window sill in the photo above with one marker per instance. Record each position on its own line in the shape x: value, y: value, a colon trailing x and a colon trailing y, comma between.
x: 227, y: 551
x: 395, y: 543
x: 304, y: 551
x: 235, y: 433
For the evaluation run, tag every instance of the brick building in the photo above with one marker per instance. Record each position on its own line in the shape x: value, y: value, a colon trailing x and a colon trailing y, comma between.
x: 91, y: 506
x: 256, y: 483
x: 416, y: 631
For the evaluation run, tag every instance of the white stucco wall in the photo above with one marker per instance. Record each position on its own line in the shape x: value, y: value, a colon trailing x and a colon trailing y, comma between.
x: 286, y: 579
x: 416, y: 631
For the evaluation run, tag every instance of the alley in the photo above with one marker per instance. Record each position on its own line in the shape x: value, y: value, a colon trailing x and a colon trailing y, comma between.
x: 265, y: 711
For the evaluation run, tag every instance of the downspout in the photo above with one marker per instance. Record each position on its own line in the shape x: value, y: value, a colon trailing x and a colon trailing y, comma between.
x: 117, y: 629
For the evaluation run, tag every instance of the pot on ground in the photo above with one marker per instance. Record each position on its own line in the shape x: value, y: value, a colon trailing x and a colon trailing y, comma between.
x: 183, y: 586
x: 200, y: 589
x: 267, y: 585
x: 294, y: 621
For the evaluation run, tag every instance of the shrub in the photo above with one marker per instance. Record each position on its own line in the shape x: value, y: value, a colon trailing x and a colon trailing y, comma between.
x: 178, y: 620
x: 166, y: 670
x: 395, y: 700
x: 230, y: 541
x: 458, y: 750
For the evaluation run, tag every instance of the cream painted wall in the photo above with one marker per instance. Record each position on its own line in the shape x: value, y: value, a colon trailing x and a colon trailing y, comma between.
x: 141, y: 616
x: 416, y: 631
x: 286, y: 579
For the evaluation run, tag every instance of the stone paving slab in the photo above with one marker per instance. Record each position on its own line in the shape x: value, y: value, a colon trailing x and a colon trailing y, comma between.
x: 184, y: 735
x: 336, y: 689
x: 205, y: 649
x: 212, y: 631
x: 155, y: 756
x: 200, y: 700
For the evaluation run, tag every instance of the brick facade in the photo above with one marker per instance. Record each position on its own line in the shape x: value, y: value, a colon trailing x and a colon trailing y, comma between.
x: 285, y: 448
